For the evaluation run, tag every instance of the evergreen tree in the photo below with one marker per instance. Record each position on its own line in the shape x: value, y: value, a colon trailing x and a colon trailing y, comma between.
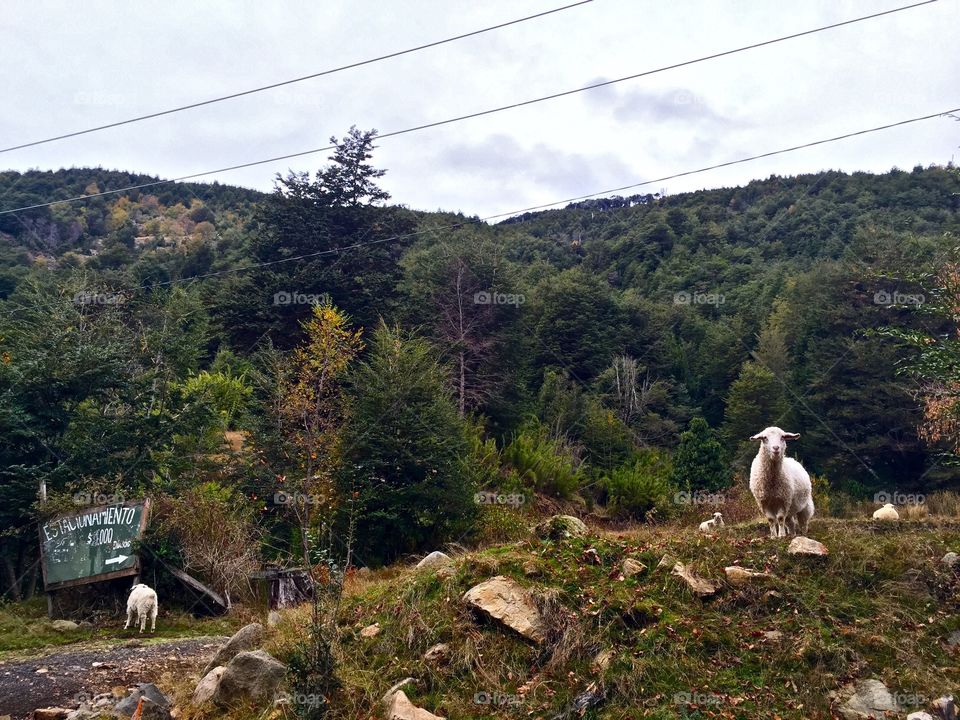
x: 757, y: 399
x: 407, y: 451
x: 699, y: 462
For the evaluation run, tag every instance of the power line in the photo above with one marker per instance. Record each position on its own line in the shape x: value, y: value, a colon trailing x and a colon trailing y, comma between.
x: 272, y: 86
x: 460, y: 118
x: 452, y: 226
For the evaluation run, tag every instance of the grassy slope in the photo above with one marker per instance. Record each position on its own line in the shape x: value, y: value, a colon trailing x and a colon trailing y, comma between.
x: 879, y: 606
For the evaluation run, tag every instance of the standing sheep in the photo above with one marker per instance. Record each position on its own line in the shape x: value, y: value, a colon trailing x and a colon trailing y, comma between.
x: 780, y: 485
x: 707, y: 526
x: 143, y: 602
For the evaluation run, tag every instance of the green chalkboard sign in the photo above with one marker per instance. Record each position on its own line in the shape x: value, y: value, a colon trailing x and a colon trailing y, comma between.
x: 93, y: 545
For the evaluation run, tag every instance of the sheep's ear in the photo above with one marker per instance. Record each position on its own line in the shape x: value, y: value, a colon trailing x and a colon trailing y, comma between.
x: 758, y: 436
x: 791, y: 436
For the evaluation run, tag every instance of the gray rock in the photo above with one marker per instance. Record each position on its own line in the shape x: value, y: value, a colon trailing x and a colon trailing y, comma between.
x: 700, y: 587
x: 509, y: 603
x: 207, y: 687
x: 920, y: 715
x: 246, y: 638
x: 869, y: 699
x: 944, y: 708
x: 273, y: 618
x: 561, y: 527
x: 64, y: 625
x: 953, y: 639
x: 396, y: 687
x: 439, y: 653
x: 151, y: 695
x: 400, y: 708
x: 434, y: 560
x: 370, y: 631
x: 632, y: 567
x: 253, y: 674
x: 805, y: 546
x: 951, y: 559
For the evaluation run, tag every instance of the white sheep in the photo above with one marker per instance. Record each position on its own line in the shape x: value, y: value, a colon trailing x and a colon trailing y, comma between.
x: 143, y: 602
x: 780, y: 485
x: 707, y: 526
x: 887, y: 512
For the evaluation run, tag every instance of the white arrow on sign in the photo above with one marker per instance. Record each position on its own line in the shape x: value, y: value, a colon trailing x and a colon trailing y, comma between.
x: 117, y: 560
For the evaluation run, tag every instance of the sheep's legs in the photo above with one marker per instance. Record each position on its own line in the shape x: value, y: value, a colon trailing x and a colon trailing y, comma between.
x: 773, y: 526
x: 129, y: 618
x: 153, y: 618
x: 143, y: 620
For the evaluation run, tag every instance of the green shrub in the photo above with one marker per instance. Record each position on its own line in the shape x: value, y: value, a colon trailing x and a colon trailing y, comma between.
x: 643, y: 488
x: 543, y: 464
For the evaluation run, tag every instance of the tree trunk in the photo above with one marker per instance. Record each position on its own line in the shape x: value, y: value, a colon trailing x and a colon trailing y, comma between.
x: 13, y: 586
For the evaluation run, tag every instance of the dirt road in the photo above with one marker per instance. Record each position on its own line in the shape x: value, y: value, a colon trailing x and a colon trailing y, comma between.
x: 63, y: 678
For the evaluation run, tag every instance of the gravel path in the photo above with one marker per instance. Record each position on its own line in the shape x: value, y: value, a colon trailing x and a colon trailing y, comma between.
x: 64, y: 677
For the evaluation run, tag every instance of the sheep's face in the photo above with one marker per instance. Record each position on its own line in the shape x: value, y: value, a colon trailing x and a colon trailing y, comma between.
x: 717, y: 516
x: 773, y: 441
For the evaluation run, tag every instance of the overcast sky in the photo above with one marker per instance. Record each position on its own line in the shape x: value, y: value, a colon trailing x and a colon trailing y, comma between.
x: 68, y: 66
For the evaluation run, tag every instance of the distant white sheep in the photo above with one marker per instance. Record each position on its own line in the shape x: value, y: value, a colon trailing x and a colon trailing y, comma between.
x: 887, y: 512
x: 708, y: 526
x: 143, y: 602
x: 780, y: 485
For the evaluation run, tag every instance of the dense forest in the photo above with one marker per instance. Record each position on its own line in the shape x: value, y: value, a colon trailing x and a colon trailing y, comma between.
x: 317, y: 360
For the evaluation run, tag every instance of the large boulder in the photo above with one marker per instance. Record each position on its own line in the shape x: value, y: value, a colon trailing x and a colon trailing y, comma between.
x: 869, y: 699
x: 400, y: 708
x: 510, y: 604
x: 434, y: 561
x: 249, y: 637
x: 253, y: 674
x: 64, y: 625
x: 207, y: 687
x: 561, y: 527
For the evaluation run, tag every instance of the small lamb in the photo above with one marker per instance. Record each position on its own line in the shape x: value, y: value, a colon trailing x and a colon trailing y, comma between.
x: 887, y: 512
x: 707, y: 526
x: 143, y: 602
x: 780, y: 485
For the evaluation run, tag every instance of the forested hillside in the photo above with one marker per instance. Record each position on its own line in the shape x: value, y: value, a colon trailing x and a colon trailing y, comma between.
x: 213, y: 342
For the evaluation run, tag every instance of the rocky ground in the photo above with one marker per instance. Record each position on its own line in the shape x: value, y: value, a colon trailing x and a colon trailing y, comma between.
x: 67, y: 677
